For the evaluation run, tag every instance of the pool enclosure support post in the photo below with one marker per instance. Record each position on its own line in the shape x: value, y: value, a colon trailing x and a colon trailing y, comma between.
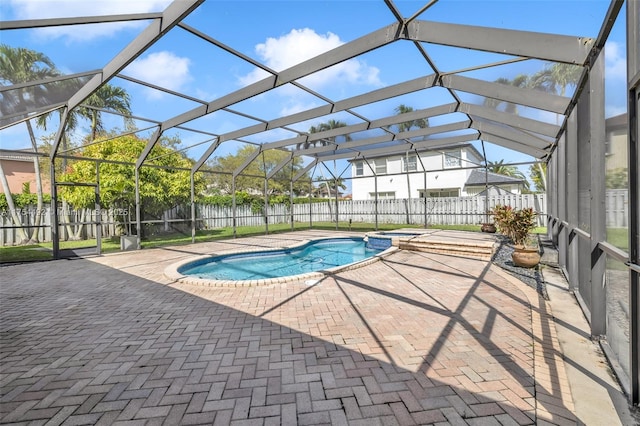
x: 193, y: 208
x: 291, y: 202
x: 55, y: 217
x: 406, y: 159
x: 424, y: 175
x: 598, y: 230
x: 310, y: 210
x: 98, y: 209
x: 486, y: 184
x: 234, y: 208
x: 335, y: 181
x: 633, y: 76
x: 570, y: 198
x: 375, y: 194
x: 55, y: 220
x: 138, y: 210
x: 266, y: 206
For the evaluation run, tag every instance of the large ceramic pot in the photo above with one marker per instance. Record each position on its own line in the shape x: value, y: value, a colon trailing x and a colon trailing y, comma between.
x: 525, y: 258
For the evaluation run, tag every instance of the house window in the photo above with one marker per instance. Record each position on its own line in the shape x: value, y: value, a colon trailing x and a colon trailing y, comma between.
x: 409, y: 163
x: 439, y: 193
x: 380, y: 166
x: 359, y: 168
x: 383, y: 195
x: 452, y: 159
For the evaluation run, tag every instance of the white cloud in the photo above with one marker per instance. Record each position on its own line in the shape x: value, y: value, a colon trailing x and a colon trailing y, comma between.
x: 294, y: 107
x: 163, y: 69
x: 39, y: 9
x: 615, y: 61
x: 300, y: 45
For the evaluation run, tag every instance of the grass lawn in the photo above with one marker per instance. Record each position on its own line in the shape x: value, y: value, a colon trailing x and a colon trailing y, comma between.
x: 43, y: 251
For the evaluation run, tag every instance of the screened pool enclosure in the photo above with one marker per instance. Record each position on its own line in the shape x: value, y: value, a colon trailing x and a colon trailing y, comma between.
x: 333, y: 91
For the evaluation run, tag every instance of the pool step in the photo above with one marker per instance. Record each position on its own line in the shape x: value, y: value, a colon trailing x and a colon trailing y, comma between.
x: 476, y: 249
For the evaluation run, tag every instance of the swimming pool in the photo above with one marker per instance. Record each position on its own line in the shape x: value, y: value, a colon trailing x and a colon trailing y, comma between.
x: 313, y: 256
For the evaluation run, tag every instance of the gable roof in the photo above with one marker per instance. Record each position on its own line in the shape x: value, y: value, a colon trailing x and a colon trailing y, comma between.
x: 477, y: 178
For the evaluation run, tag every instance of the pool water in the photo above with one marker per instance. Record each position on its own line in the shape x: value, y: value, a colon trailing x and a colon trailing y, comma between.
x: 314, y: 256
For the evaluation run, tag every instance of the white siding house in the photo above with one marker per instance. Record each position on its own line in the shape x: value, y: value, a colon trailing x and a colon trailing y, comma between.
x: 448, y: 175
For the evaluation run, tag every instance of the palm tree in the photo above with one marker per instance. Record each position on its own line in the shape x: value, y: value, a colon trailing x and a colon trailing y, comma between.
x: 337, y: 184
x: 499, y: 168
x: 538, y: 173
x: 18, y: 66
x: 329, y: 125
x: 521, y: 80
x: 420, y: 123
x: 556, y: 78
x: 107, y: 97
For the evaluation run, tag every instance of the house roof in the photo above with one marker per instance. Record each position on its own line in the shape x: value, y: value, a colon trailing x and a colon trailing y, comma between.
x: 494, y: 190
x: 17, y: 155
x: 477, y: 178
x: 616, y: 122
x: 420, y: 151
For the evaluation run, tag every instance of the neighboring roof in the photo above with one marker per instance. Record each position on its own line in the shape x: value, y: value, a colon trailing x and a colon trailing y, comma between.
x: 17, y: 156
x: 477, y: 178
x: 494, y: 190
x: 616, y: 122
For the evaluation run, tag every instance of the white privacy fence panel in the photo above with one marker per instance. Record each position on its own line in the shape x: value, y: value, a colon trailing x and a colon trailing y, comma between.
x: 617, y: 208
x: 70, y: 224
x: 436, y: 211
x: 433, y: 211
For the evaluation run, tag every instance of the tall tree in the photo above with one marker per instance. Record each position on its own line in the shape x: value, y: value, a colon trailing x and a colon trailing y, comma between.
x: 252, y: 177
x: 500, y: 168
x: 18, y: 66
x: 521, y: 80
x: 322, y: 127
x: 420, y: 123
x: 538, y: 174
x: 109, y: 98
x: 555, y: 78
x: 330, y: 125
x: 160, y: 187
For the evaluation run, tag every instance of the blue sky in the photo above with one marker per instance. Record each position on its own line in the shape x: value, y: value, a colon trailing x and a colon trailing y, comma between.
x: 282, y: 33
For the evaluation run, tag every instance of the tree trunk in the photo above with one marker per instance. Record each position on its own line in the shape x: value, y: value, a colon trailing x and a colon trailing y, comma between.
x: 40, y: 203
x: 24, y: 239
x: 78, y: 234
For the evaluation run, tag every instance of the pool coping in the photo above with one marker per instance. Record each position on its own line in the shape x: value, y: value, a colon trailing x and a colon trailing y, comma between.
x: 171, y: 271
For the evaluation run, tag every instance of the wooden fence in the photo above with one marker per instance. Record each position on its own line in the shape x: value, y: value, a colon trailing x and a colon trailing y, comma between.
x: 435, y: 211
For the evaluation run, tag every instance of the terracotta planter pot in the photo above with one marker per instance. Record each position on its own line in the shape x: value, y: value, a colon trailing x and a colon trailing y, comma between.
x: 488, y: 227
x: 525, y: 258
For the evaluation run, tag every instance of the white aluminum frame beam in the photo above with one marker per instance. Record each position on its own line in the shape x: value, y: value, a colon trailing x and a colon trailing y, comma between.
x: 544, y: 46
x: 539, y: 127
x: 527, y: 97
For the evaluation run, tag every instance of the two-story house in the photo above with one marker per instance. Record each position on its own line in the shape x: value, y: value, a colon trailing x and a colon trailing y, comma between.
x: 452, y: 172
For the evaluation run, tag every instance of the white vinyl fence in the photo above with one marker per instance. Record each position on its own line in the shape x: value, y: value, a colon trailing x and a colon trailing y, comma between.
x: 9, y: 234
x: 435, y: 211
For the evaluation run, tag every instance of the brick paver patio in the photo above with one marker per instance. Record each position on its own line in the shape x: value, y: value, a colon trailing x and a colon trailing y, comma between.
x: 415, y: 339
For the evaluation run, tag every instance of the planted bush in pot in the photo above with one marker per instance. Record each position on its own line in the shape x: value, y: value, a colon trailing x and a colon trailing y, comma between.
x: 516, y: 225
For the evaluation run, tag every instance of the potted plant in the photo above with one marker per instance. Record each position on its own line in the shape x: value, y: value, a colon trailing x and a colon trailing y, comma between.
x: 516, y: 225
x: 488, y: 227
